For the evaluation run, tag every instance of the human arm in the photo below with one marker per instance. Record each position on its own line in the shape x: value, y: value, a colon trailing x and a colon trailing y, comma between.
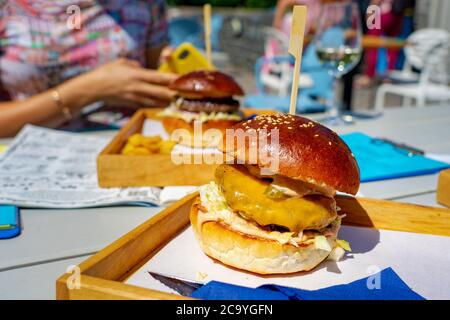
x: 122, y: 80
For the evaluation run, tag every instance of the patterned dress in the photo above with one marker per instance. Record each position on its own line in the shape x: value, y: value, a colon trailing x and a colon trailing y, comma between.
x: 45, y: 42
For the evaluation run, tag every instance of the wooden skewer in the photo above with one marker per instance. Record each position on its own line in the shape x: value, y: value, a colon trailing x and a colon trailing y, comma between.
x: 207, y: 26
x: 296, y: 48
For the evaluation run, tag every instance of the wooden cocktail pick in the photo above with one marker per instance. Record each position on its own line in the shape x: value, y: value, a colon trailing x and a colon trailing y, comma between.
x: 296, y: 49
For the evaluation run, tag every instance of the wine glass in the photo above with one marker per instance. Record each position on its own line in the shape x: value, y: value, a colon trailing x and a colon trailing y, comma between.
x: 338, y: 47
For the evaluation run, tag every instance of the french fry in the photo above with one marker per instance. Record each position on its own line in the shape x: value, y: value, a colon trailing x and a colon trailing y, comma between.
x: 138, y: 144
x: 135, y: 139
x: 165, y: 147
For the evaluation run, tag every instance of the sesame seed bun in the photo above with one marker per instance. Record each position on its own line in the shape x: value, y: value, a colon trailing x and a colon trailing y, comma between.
x: 306, y: 151
x: 206, y: 84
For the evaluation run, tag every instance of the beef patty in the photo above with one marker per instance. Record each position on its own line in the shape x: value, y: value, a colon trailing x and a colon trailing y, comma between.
x: 209, y: 105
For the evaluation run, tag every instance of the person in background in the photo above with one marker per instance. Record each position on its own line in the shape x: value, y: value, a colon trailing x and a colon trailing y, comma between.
x: 391, y: 25
x: 57, y: 57
x: 283, y: 15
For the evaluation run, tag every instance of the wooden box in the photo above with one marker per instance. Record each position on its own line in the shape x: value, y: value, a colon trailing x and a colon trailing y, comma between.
x: 443, y: 189
x: 117, y: 170
x: 102, y: 276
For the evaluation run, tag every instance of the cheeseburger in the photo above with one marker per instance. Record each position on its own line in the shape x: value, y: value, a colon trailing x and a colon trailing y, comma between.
x: 205, y: 97
x: 283, y: 220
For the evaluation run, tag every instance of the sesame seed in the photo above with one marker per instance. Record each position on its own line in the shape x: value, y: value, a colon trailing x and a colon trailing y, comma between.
x: 329, y: 143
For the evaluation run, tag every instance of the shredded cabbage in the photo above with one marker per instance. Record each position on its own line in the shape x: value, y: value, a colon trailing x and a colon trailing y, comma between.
x: 344, y: 245
x: 212, y: 199
x: 338, y: 251
x: 336, y: 254
x: 321, y: 242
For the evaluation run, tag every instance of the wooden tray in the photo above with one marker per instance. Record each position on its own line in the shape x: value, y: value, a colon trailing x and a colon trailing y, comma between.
x: 443, y: 189
x: 102, y: 276
x: 117, y: 170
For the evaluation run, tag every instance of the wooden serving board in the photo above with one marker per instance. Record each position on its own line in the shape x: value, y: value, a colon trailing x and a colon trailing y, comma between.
x: 117, y: 170
x: 443, y: 188
x: 102, y: 276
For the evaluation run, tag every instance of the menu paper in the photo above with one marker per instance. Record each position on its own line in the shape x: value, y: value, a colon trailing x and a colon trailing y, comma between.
x: 46, y: 168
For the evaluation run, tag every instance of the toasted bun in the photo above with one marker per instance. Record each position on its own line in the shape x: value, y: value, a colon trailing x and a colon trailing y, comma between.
x: 254, y: 254
x: 210, y: 139
x: 212, y: 84
x: 306, y: 151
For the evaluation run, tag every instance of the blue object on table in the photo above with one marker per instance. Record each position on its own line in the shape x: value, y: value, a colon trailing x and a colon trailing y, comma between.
x: 380, y: 160
x: 9, y: 221
x: 391, y: 287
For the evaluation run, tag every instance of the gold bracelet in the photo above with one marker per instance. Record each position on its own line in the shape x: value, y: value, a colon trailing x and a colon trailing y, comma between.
x: 59, y: 103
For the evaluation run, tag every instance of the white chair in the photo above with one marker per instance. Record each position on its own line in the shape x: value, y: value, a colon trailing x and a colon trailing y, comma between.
x: 428, y: 51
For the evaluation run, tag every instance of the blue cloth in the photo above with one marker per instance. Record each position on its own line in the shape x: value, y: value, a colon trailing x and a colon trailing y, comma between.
x: 391, y: 287
x: 379, y: 160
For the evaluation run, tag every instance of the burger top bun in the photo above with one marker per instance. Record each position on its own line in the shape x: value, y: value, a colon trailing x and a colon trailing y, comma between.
x: 307, y: 151
x: 206, y: 84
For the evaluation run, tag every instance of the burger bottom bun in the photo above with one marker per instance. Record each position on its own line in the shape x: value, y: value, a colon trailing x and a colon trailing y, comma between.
x: 253, y: 254
x: 185, y: 133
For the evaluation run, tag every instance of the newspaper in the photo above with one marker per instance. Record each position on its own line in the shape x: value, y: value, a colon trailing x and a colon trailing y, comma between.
x: 45, y: 168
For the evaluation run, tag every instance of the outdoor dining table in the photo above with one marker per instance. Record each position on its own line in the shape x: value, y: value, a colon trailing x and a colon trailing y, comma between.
x: 54, y: 239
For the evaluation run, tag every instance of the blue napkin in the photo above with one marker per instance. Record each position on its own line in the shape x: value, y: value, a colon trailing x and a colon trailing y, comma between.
x: 380, y: 160
x: 391, y: 288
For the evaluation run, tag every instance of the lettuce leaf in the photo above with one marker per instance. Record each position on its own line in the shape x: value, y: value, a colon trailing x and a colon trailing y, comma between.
x: 321, y: 242
x: 344, y: 245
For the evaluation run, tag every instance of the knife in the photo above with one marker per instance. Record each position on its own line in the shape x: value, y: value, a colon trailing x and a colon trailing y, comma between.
x: 182, y: 286
x: 409, y: 149
x: 215, y: 290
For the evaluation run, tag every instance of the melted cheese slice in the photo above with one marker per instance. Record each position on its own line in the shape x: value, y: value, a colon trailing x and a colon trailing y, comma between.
x: 218, y: 210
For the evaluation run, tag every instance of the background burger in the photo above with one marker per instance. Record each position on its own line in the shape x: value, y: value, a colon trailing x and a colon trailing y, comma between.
x: 205, y: 96
x: 283, y: 222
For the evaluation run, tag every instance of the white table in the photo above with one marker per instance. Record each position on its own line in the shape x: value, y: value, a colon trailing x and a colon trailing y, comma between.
x: 54, y: 239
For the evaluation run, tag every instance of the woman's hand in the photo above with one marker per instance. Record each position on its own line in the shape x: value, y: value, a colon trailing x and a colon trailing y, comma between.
x: 119, y: 81
x: 126, y: 81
